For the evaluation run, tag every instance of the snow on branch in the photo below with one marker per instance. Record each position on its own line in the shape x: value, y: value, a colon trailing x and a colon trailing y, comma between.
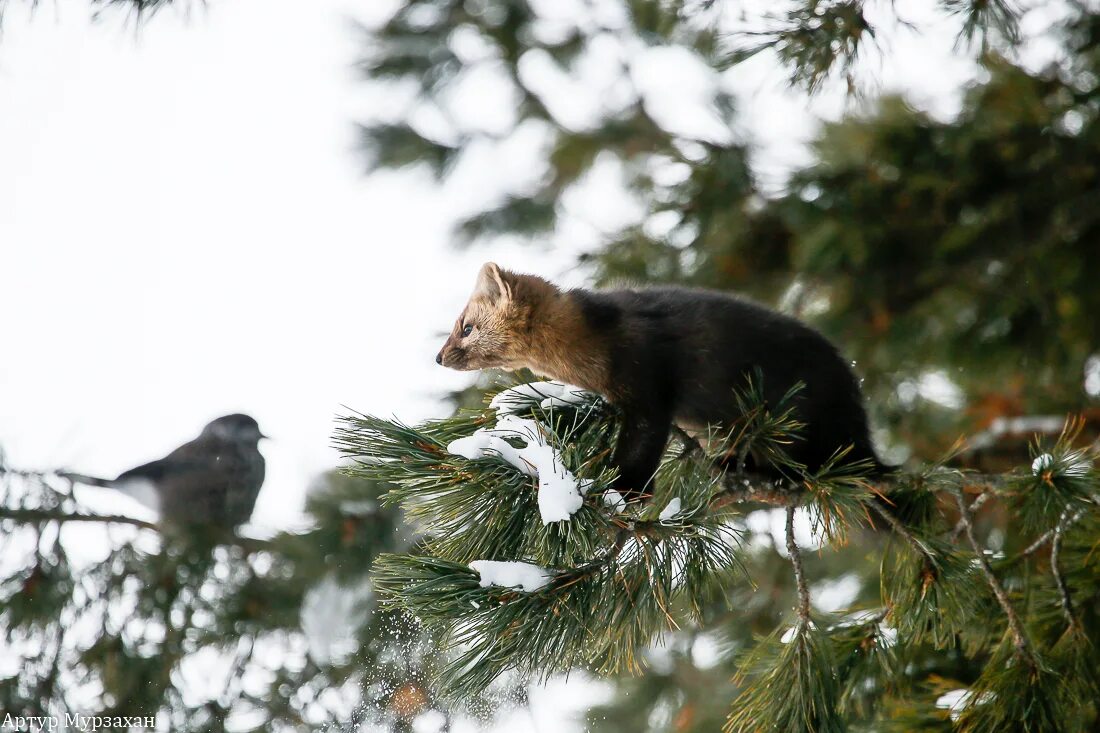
x: 560, y: 492
x: 522, y: 575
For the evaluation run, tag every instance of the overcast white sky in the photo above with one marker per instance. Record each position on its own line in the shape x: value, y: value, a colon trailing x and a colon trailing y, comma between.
x: 185, y: 230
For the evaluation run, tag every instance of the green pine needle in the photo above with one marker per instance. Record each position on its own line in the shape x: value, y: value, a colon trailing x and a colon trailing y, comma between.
x: 791, y: 686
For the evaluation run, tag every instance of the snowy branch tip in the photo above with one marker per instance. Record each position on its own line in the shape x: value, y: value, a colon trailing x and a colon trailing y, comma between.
x: 546, y: 394
x: 561, y: 493
x: 520, y: 575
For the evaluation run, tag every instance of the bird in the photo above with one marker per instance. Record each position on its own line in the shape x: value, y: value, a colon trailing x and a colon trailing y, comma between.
x: 212, y: 480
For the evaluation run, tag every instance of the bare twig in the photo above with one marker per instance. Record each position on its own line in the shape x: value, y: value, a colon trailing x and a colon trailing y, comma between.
x: 234, y: 682
x: 903, y: 531
x: 799, y: 573
x: 24, y: 474
x: 1047, y: 536
x: 30, y: 516
x: 1056, y: 546
x: 974, y: 506
x: 1036, y: 545
x: 1019, y: 636
x: 47, y: 685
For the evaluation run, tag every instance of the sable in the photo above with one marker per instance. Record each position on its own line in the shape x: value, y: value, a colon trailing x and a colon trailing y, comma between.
x: 663, y: 355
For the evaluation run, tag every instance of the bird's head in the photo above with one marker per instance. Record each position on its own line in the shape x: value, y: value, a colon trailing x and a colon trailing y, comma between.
x: 236, y: 428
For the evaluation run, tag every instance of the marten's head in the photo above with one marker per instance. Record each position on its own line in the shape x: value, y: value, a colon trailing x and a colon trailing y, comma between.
x: 515, y: 321
x: 493, y: 330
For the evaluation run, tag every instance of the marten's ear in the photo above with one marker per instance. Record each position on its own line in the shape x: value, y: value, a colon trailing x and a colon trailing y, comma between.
x: 492, y: 283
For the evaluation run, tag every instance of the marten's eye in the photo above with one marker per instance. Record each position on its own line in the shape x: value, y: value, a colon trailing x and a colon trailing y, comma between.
x: 467, y: 330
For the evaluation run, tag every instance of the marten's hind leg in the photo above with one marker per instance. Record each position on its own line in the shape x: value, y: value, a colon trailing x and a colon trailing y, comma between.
x: 638, y: 451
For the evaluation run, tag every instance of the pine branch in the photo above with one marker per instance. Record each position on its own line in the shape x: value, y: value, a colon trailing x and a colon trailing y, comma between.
x: 900, y: 529
x: 740, y: 485
x: 813, y: 40
x: 748, y: 488
x: 612, y: 554
x: 983, y: 18
x: 618, y: 574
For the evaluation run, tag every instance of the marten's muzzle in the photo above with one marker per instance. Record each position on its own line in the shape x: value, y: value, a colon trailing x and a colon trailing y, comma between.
x: 451, y: 356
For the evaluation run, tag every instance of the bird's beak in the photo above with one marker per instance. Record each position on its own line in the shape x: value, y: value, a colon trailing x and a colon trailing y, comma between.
x: 264, y: 437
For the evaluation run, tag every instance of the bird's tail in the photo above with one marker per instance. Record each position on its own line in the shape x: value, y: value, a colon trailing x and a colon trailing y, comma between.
x: 140, y: 489
x: 88, y: 480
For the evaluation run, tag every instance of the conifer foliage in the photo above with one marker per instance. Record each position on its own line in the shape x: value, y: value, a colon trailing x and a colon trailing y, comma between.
x: 594, y: 590
x: 204, y: 630
x: 953, y: 258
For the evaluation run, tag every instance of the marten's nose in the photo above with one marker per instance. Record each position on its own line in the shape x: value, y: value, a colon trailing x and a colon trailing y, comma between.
x: 439, y: 358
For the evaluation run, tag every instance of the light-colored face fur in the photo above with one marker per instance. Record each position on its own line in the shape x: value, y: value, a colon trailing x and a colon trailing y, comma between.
x: 487, y: 333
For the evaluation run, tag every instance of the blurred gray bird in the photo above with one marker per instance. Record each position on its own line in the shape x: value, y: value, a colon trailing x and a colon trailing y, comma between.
x: 212, y: 480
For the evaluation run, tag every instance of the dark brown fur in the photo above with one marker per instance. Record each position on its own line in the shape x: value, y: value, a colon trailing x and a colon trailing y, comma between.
x: 662, y: 355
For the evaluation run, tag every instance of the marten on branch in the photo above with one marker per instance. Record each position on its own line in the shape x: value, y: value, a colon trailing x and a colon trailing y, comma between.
x: 663, y: 355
